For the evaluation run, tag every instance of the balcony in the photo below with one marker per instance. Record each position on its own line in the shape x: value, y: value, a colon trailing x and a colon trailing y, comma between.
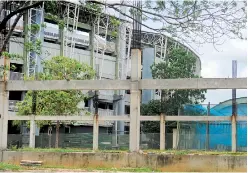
x: 15, y: 76
x: 105, y: 112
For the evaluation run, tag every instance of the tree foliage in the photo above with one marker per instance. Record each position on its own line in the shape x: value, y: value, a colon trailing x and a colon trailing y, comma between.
x: 57, y: 102
x: 189, y: 21
x: 179, y: 64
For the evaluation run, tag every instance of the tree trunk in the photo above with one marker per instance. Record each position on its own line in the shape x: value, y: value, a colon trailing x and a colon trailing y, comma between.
x: 57, y: 135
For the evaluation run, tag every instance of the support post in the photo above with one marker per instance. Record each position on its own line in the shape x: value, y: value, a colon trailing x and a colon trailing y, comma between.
x: 134, y: 136
x: 95, y: 132
x: 32, y: 133
x: 234, y: 109
x: 92, y: 47
x: 162, y: 132
x: 234, y: 134
x: 175, y: 136
x: 95, y: 124
x: 4, y: 104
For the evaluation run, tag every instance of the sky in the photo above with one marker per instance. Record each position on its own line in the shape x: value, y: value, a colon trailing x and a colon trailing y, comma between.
x: 218, y: 64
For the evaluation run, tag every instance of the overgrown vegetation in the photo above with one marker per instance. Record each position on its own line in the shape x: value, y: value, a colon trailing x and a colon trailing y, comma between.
x: 56, y: 102
x: 179, y: 64
x: 175, y: 152
x: 9, y: 167
x: 13, y: 167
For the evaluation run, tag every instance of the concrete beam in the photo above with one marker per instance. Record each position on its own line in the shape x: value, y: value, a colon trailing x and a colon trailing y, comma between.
x: 52, y: 118
x: 127, y: 118
x: 192, y: 118
x: 162, y: 132
x: 199, y: 83
x: 218, y: 83
x: 68, y: 85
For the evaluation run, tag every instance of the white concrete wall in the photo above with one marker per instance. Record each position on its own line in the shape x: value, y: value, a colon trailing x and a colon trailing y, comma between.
x: 50, y: 50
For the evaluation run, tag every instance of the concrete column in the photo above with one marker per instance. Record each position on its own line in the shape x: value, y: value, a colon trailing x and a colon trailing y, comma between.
x: 1, y: 111
x: 95, y: 132
x: 134, y: 136
x: 4, y: 105
x: 4, y: 117
x: 234, y: 134
x: 162, y: 132
x: 175, y: 138
x: 32, y: 133
x: 92, y: 47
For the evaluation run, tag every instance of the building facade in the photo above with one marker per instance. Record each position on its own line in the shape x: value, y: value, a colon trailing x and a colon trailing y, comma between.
x: 108, y: 64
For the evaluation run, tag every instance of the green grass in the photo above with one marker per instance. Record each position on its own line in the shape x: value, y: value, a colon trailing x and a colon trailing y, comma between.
x: 175, y: 152
x: 9, y: 167
x: 99, y: 169
x: 12, y: 167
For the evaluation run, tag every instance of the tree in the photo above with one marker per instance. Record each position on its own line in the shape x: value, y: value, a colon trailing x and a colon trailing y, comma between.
x: 189, y: 21
x: 57, y: 102
x: 179, y: 64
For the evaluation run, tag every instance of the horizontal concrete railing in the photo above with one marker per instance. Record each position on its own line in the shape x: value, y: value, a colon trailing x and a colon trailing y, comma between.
x: 127, y: 118
x: 191, y: 83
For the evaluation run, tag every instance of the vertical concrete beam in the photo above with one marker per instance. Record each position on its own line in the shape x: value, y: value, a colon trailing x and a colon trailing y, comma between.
x: 95, y: 132
x: 4, y: 104
x: 1, y: 111
x: 162, y: 132
x: 234, y: 134
x: 134, y: 136
x: 175, y: 139
x: 4, y: 117
x: 92, y: 47
x: 32, y: 133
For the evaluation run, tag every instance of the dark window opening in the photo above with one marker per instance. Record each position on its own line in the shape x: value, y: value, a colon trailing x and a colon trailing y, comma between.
x: 110, y: 106
x: 127, y: 109
x: 67, y: 130
x: 15, y: 95
x: 127, y: 92
x: 86, y: 103
x: 16, y: 67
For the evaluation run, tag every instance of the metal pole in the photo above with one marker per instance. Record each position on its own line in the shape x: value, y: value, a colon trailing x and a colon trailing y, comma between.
x: 234, y: 109
x: 177, y: 141
x: 207, y: 127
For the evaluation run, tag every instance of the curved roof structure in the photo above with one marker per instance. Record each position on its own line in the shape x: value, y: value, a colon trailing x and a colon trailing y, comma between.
x: 221, y: 105
x: 222, y: 109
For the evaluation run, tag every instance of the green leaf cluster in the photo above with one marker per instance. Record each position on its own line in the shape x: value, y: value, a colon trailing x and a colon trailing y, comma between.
x: 56, y: 102
x: 178, y: 64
